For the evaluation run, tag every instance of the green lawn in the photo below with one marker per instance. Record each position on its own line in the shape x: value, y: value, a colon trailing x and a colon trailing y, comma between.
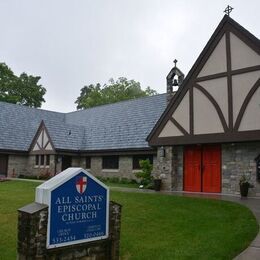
x: 123, y: 185
x: 154, y: 226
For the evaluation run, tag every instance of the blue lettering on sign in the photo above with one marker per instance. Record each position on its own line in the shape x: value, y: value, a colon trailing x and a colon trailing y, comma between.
x: 78, y: 211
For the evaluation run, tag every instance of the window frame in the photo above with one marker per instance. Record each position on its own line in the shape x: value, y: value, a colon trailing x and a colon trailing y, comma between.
x: 110, y: 162
x: 47, y: 160
x: 37, y: 160
x: 42, y: 160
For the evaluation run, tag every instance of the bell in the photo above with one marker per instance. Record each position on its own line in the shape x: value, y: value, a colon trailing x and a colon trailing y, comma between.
x: 175, y: 82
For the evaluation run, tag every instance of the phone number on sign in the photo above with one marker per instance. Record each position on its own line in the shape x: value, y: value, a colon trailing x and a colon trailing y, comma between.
x: 94, y: 234
x: 64, y: 239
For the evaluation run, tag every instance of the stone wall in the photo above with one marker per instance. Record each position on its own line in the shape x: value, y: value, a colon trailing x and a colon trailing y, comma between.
x: 78, y: 162
x: 238, y: 159
x: 163, y: 168
x: 125, y: 169
x: 32, y: 236
x: 25, y: 165
x: 36, y: 170
x: 17, y: 164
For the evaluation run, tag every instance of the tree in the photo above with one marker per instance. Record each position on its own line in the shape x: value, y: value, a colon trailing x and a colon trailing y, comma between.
x: 23, y: 90
x: 114, y: 91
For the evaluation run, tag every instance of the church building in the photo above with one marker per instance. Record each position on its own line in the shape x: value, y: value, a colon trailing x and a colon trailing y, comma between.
x: 209, y: 134
x: 202, y: 138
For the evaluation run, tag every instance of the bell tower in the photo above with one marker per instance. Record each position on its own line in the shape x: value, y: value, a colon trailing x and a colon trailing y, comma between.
x: 174, y: 81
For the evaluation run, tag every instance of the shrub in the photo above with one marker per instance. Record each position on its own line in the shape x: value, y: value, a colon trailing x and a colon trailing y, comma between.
x: 45, y: 176
x: 145, y: 174
x: 114, y: 180
x: 30, y: 177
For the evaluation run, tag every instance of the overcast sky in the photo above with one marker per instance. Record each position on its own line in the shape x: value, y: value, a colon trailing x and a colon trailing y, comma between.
x: 72, y: 43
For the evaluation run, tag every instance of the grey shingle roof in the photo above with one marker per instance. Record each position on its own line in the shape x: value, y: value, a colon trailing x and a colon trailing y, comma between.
x: 18, y: 125
x: 121, y: 125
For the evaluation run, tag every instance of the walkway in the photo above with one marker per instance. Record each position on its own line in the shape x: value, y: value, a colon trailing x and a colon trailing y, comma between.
x: 253, y: 251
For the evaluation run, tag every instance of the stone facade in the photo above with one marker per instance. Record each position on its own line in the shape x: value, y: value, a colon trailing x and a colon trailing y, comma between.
x: 125, y: 169
x: 237, y: 159
x: 32, y: 236
x: 17, y: 164
x: 25, y: 165
x: 170, y: 168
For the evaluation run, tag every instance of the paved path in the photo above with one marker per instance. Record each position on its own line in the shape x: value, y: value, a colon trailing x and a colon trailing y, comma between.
x: 28, y: 180
x: 253, y: 251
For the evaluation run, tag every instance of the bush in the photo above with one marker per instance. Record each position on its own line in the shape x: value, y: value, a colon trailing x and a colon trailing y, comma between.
x: 45, y: 176
x: 117, y: 180
x: 30, y: 177
x: 145, y: 174
x: 114, y: 180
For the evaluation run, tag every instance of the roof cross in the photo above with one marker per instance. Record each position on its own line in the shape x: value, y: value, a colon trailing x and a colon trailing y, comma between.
x: 175, y: 62
x: 228, y: 10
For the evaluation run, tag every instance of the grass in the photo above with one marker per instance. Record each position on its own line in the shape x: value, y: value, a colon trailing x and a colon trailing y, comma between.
x: 154, y: 226
x: 123, y: 185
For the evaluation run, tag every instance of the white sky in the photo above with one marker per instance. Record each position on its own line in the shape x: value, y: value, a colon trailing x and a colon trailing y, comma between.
x: 72, y: 43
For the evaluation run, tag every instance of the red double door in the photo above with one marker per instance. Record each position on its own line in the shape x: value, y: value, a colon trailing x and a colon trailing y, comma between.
x: 202, y: 168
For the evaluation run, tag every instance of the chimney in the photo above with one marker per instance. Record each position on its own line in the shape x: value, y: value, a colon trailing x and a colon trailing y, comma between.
x: 174, y: 81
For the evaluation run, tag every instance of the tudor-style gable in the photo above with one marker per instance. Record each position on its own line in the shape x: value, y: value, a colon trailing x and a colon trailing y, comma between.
x: 219, y: 99
x: 42, y: 143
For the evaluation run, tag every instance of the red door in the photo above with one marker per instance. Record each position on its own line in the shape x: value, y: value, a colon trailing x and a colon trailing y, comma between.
x: 202, y: 168
x: 192, y: 164
x: 211, y: 168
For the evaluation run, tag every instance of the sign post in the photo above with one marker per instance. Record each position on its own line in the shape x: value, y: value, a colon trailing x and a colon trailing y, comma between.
x: 78, y: 208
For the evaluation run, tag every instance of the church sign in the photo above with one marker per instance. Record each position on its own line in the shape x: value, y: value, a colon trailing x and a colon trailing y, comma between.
x: 78, y: 208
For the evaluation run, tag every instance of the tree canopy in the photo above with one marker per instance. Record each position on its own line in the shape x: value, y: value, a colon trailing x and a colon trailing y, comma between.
x: 23, y: 90
x: 114, y: 91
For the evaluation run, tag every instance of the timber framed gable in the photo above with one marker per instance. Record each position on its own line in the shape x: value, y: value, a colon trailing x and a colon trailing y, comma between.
x: 219, y: 99
x: 42, y: 143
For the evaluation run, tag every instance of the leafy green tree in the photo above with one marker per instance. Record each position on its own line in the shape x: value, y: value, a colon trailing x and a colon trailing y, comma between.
x: 114, y: 91
x: 23, y: 90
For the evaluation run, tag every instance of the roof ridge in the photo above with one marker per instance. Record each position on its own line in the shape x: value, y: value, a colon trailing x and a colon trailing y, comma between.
x: 236, y: 24
x: 122, y: 101
x: 31, y: 108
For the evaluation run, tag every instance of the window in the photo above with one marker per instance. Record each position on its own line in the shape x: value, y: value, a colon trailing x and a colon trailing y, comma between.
x: 42, y: 160
x: 110, y: 162
x: 37, y: 160
x: 137, y: 158
x: 88, y: 162
x: 47, y: 159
